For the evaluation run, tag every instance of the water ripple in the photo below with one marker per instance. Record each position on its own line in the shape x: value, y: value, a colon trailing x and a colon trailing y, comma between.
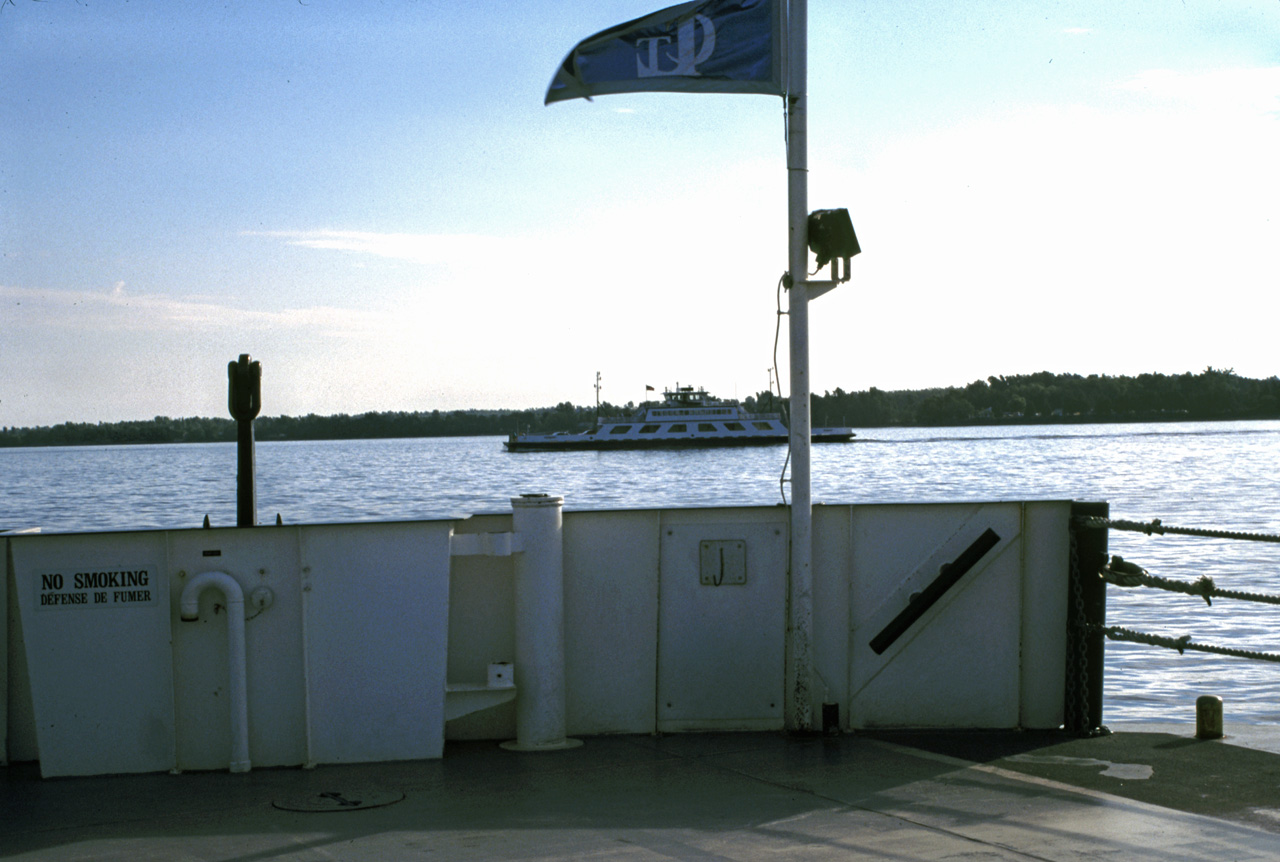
x: 1221, y: 475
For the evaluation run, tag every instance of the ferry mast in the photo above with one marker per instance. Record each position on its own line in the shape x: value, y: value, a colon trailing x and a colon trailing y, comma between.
x: 799, y: 644
x: 775, y: 31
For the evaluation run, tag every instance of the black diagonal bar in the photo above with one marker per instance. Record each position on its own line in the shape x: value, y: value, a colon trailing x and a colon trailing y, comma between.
x: 929, y: 596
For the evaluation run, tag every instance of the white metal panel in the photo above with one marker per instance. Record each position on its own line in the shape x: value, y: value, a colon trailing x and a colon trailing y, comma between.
x: 254, y: 557
x: 376, y: 600
x: 1046, y: 561
x: 486, y: 544
x: 611, y: 621
x: 721, y: 648
x: 100, y: 672
x: 482, y: 627
x: 832, y: 555
x: 21, y: 725
x: 958, y: 665
x: 650, y: 642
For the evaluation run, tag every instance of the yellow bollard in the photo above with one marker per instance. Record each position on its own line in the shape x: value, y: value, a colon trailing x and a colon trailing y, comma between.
x: 1209, y: 717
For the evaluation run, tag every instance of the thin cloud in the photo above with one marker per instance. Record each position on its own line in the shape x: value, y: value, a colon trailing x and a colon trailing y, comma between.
x: 117, y: 309
x: 418, y: 248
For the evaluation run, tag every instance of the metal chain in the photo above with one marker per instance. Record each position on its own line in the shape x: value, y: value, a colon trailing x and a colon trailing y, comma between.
x: 1077, y: 693
x: 1156, y: 527
x: 1125, y: 574
x: 1117, y: 633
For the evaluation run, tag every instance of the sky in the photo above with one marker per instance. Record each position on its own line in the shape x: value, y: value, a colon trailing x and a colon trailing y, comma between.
x: 371, y: 200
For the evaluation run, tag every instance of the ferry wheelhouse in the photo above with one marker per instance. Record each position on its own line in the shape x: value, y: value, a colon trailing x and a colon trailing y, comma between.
x: 686, y: 418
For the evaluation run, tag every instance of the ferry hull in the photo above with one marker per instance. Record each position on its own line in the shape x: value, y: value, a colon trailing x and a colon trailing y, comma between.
x: 688, y: 418
x: 564, y: 444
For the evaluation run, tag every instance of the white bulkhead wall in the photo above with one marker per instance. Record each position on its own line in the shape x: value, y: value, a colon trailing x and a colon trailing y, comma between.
x: 990, y: 652
x: 722, y: 620
x: 345, y: 664
x: 266, y: 556
x: 371, y: 621
x: 348, y: 662
x: 99, y: 669
x: 376, y: 608
x: 642, y: 632
x: 611, y: 564
x: 481, y: 626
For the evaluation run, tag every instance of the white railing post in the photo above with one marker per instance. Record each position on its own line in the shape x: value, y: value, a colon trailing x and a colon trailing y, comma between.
x: 539, y: 668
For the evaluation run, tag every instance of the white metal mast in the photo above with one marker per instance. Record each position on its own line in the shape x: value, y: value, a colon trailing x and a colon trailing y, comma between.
x: 799, y: 643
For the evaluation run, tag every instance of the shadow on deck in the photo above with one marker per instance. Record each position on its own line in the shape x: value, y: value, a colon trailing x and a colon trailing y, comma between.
x: 890, y: 796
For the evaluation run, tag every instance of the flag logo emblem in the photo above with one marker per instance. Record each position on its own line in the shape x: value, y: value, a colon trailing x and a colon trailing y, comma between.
x: 686, y: 55
x: 707, y: 46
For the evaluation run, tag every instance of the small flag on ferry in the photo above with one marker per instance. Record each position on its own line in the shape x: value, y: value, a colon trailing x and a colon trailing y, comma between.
x: 649, y: 389
x: 708, y: 46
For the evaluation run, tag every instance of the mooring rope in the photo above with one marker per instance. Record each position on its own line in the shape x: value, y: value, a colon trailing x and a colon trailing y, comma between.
x: 1158, y: 528
x: 1125, y: 574
x: 1122, y: 573
x: 1116, y: 633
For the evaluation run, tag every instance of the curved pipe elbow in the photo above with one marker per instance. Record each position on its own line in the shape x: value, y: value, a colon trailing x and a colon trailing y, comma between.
x: 189, y: 603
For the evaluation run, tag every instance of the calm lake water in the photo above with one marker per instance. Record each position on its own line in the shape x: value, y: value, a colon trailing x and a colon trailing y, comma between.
x: 1222, y: 475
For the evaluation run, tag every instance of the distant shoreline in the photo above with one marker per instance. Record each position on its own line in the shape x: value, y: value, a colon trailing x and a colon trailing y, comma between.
x: 1035, y: 399
x: 1031, y: 421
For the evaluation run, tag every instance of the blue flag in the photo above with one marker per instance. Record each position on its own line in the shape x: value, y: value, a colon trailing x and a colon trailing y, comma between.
x: 709, y: 46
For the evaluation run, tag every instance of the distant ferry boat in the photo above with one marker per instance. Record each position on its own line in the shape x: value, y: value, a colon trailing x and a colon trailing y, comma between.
x: 687, y: 418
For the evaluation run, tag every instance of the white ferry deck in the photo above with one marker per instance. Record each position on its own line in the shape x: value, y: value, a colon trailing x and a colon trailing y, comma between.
x: 372, y: 735
x: 688, y: 796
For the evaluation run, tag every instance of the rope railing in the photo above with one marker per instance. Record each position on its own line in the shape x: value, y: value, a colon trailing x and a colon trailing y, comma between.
x: 1155, y: 527
x: 1116, y: 633
x: 1122, y: 573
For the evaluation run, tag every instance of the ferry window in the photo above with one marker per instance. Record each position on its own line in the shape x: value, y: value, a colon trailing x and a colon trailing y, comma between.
x: 619, y: 429
x: 762, y: 426
x: 734, y: 426
x: 679, y: 426
x: 706, y: 426
x: 648, y: 429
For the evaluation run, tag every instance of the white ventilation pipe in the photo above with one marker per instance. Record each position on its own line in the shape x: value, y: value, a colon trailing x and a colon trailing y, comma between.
x: 239, y: 700
x: 539, y: 672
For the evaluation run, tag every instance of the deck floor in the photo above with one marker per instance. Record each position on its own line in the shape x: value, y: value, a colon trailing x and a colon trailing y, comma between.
x: 964, y: 796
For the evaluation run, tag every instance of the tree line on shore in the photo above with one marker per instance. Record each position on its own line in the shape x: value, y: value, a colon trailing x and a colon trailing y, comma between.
x: 1213, y: 394
x: 1044, y: 397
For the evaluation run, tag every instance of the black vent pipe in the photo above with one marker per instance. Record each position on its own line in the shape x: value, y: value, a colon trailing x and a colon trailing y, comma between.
x: 244, y: 398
